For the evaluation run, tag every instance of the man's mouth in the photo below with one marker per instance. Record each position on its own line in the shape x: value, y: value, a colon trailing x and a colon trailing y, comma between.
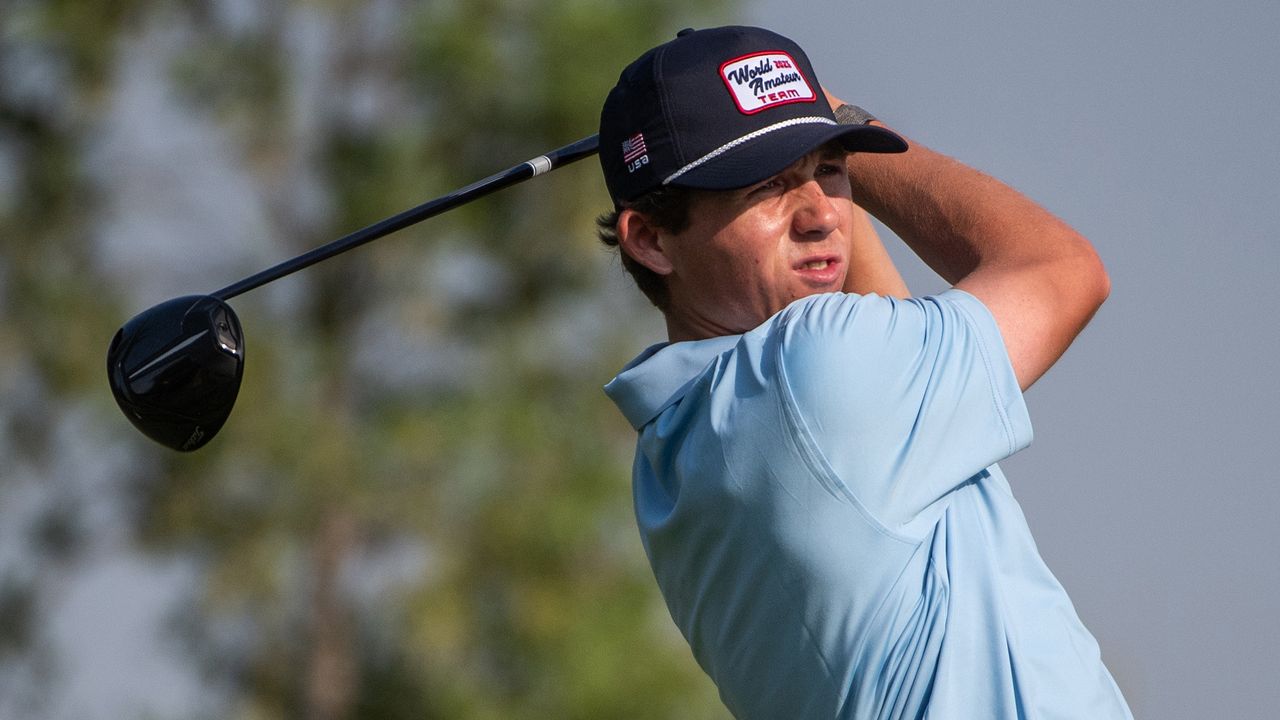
x: 820, y: 272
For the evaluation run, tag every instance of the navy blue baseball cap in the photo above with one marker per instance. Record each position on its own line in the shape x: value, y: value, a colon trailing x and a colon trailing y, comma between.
x: 718, y: 109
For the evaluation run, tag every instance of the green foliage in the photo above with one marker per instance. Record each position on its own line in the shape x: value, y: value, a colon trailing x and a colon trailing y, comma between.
x: 490, y: 484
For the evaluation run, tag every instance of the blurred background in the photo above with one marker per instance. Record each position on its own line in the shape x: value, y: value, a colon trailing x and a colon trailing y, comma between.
x: 420, y: 507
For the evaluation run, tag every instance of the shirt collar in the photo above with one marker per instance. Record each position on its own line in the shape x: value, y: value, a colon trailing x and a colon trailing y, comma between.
x: 661, y: 375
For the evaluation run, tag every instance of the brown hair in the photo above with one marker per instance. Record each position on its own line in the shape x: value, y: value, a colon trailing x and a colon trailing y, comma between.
x: 666, y: 207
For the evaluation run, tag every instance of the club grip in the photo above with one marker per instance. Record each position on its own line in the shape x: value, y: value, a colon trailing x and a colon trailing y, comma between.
x: 512, y: 175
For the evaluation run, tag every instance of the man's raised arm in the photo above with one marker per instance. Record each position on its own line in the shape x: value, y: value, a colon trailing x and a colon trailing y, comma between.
x: 1041, y: 280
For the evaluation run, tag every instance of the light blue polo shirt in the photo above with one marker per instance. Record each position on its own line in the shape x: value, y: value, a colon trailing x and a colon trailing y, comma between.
x: 821, y: 507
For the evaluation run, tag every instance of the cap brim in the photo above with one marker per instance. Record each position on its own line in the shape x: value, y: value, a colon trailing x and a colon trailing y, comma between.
x: 770, y: 154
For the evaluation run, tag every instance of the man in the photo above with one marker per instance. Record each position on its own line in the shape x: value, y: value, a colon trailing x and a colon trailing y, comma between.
x: 815, y: 478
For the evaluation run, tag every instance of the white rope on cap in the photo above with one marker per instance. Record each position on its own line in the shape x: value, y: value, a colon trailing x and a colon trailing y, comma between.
x: 812, y: 119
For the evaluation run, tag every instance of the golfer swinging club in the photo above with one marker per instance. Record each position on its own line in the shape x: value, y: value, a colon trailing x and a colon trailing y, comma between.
x: 815, y: 478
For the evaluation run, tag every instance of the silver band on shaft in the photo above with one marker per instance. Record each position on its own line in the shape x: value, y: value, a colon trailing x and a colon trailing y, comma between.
x: 540, y: 165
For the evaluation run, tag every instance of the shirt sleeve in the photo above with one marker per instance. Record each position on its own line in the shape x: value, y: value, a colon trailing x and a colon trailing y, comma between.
x: 900, y: 401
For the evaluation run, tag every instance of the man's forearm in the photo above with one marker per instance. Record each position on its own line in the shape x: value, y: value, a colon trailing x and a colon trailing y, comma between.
x: 871, y: 269
x: 954, y: 217
x: 1041, y: 280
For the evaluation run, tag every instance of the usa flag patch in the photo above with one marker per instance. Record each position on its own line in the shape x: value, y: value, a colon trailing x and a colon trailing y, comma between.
x: 634, y: 152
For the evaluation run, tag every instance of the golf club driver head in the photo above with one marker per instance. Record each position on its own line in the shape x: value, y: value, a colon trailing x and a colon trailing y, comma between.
x: 175, y: 370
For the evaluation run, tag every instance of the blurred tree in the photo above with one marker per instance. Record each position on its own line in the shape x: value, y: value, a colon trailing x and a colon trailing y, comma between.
x: 53, y: 312
x: 421, y: 507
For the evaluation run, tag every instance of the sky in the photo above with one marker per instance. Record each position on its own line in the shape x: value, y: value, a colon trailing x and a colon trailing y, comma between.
x: 1151, y: 487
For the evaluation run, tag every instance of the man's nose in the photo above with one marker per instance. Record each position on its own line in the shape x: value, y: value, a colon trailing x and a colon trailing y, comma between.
x: 815, y: 216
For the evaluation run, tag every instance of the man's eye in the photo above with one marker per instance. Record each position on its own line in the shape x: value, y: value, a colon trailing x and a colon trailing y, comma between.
x: 766, y: 187
x: 830, y: 169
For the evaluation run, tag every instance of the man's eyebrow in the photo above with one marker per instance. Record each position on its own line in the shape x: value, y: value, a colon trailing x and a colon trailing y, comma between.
x: 826, y: 153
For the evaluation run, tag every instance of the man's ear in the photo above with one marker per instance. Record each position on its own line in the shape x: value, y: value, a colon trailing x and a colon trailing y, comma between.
x: 643, y: 241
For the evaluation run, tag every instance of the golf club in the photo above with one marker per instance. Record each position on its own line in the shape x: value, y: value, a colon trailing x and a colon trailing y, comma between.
x: 175, y: 368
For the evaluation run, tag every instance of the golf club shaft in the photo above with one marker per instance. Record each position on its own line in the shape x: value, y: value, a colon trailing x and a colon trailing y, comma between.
x: 525, y: 170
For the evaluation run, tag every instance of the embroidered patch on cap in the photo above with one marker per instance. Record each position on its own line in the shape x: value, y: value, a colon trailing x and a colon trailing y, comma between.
x: 764, y: 80
x: 634, y: 152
